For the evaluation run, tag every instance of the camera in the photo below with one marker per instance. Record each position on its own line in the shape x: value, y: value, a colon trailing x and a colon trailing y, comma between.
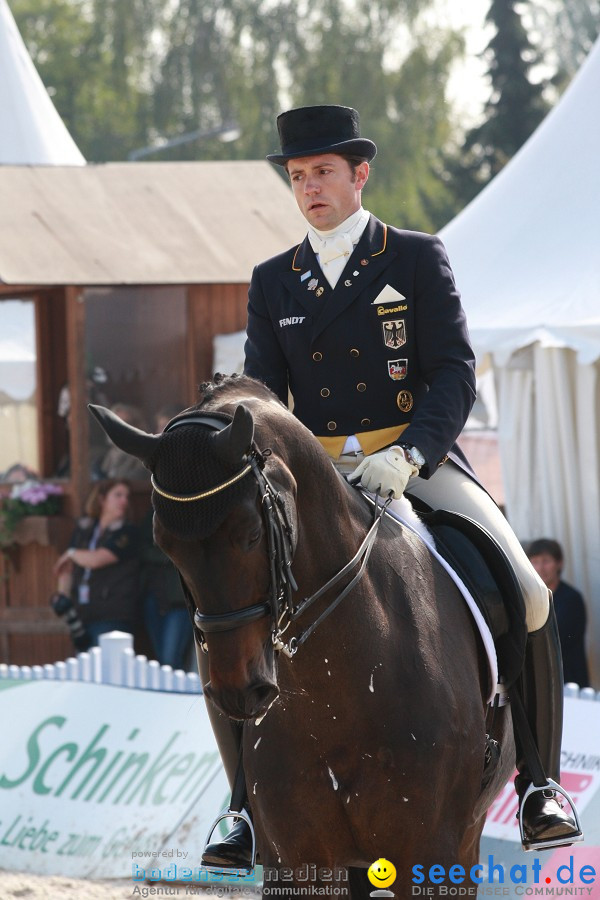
x: 63, y: 607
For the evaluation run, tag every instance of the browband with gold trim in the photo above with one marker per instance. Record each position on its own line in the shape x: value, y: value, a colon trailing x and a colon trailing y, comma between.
x: 188, y: 498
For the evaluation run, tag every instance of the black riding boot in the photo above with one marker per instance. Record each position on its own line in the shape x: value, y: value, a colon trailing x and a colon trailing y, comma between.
x: 235, y: 850
x: 542, y: 689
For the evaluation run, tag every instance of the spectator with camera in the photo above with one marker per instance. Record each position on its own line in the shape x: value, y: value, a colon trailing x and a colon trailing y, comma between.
x: 98, y: 574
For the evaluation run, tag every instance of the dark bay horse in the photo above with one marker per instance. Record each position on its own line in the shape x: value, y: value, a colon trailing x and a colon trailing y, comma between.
x: 369, y: 741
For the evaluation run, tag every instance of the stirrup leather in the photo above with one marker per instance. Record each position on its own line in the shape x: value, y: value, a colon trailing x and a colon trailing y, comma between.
x: 230, y: 813
x: 549, y: 843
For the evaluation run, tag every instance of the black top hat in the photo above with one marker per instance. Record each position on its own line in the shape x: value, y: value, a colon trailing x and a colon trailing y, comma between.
x: 310, y: 130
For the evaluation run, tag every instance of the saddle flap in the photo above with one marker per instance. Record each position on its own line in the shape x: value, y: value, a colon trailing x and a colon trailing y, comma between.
x: 485, y: 569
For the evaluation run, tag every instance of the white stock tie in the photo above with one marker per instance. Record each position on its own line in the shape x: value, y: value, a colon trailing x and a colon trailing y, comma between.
x: 333, y: 253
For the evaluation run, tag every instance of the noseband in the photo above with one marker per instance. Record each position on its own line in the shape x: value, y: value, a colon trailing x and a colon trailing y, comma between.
x: 280, y: 550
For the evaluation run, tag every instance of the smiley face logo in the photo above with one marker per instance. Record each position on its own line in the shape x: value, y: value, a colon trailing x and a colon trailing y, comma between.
x: 382, y: 873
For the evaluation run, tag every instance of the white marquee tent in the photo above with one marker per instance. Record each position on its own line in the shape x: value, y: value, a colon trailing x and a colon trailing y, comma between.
x: 526, y: 255
x: 31, y: 130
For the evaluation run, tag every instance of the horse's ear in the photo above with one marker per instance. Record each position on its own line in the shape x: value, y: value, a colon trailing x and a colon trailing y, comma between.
x: 235, y: 441
x: 132, y: 440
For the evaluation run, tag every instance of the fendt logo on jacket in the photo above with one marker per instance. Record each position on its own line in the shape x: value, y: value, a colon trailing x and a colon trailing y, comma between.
x: 291, y: 320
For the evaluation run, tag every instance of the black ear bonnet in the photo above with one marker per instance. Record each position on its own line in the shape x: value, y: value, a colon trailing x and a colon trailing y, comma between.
x: 188, y: 461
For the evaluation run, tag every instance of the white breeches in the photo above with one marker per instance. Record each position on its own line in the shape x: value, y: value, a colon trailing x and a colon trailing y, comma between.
x: 451, y: 488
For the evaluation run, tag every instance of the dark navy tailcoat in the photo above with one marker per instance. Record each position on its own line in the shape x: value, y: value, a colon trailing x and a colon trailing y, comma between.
x: 387, y: 347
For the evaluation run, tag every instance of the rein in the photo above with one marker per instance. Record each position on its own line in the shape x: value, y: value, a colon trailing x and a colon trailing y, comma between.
x: 361, y: 556
x: 282, y: 583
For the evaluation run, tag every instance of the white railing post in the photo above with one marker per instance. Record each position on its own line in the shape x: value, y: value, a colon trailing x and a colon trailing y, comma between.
x: 141, y: 671
x: 154, y: 675
x: 128, y: 663
x: 112, y: 646
x: 60, y: 671
x: 193, y: 685
x: 179, y: 681
x: 72, y: 668
x: 96, y: 658
x: 166, y: 678
x: 85, y: 666
x: 587, y: 693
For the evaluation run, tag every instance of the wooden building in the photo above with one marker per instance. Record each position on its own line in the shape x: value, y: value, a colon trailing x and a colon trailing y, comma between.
x: 114, y: 281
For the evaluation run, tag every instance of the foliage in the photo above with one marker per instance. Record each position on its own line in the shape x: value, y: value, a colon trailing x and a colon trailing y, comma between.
x: 95, y: 58
x: 127, y: 74
x: 124, y: 73
x: 28, y: 498
x: 567, y: 31
x: 516, y: 105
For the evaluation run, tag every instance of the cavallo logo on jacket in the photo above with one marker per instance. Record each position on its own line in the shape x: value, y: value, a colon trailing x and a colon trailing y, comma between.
x: 394, y: 333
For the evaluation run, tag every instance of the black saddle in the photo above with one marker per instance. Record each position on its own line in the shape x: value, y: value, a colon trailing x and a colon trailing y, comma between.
x: 485, y: 569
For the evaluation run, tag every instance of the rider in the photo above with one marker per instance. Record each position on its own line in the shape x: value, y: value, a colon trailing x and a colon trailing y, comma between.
x: 363, y: 324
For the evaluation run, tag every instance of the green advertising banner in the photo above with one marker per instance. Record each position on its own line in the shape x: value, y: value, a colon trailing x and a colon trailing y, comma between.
x: 96, y: 779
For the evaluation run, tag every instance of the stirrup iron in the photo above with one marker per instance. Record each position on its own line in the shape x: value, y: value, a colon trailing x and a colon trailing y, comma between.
x: 549, y: 843
x: 232, y: 871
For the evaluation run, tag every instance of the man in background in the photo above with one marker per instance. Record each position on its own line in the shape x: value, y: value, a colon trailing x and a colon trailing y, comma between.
x: 546, y: 557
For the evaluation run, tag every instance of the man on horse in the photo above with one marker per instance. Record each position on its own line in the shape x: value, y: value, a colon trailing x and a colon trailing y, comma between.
x: 363, y: 324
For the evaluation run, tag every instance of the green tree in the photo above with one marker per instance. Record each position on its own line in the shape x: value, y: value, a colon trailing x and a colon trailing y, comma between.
x: 127, y: 74
x: 223, y: 63
x: 567, y: 31
x: 56, y: 34
x: 400, y: 93
x: 515, y: 108
x: 95, y: 60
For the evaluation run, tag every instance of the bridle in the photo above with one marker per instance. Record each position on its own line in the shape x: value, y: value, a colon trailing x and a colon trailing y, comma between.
x: 280, y: 550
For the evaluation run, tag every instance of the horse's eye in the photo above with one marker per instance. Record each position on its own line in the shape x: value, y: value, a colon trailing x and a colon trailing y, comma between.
x: 246, y: 535
x: 254, y: 536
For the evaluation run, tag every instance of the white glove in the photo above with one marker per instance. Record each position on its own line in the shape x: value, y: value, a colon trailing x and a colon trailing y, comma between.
x: 385, y: 471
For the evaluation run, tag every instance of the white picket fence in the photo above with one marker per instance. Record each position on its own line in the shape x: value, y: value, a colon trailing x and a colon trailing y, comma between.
x: 586, y: 693
x: 113, y: 662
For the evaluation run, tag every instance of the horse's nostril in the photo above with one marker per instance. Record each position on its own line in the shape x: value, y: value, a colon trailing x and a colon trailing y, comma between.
x: 243, y: 704
x: 259, y: 698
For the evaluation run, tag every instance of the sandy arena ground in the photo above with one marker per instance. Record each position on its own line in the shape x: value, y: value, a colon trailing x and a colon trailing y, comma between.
x: 21, y: 886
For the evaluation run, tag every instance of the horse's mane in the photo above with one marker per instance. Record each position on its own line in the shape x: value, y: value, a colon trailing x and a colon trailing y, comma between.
x: 232, y: 387
x: 272, y: 418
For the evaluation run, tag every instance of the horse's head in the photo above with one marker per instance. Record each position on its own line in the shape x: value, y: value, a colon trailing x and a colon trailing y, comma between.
x: 208, y: 503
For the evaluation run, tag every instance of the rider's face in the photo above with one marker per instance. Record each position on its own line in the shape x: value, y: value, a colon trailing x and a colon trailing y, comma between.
x: 326, y: 189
